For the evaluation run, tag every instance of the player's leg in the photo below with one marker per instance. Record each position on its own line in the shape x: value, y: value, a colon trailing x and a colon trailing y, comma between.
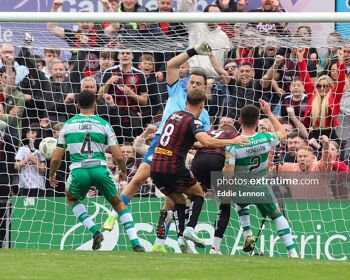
x: 197, y: 198
x: 163, y: 225
x: 282, y: 226
x: 179, y: 217
x: 104, y: 182
x: 221, y: 222
x: 244, y: 219
x: 77, y: 186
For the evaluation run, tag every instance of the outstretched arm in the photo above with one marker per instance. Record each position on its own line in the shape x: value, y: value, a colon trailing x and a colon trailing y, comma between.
x: 172, y: 75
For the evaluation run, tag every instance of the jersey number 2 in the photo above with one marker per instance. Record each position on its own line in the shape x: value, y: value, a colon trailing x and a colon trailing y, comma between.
x: 86, y: 148
x: 256, y: 160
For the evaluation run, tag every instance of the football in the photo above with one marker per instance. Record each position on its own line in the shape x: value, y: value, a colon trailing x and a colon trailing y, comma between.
x: 47, y: 147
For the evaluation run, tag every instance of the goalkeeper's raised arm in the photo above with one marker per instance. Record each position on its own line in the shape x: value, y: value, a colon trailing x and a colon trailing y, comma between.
x: 174, y: 63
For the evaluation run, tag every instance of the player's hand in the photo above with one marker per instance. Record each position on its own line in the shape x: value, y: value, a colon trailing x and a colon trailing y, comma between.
x: 53, y: 181
x: 240, y: 140
x: 265, y: 107
x: 203, y: 49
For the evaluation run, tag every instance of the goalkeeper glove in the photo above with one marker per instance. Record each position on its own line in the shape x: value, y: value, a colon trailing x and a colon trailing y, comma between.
x: 200, y: 49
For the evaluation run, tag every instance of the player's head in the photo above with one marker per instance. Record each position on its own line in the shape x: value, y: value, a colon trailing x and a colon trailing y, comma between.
x: 249, y: 117
x: 305, y: 157
x: 265, y: 125
x: 195, y: 100
x: 227, y: 124
x: 197, y: 80
x: 86, y: 100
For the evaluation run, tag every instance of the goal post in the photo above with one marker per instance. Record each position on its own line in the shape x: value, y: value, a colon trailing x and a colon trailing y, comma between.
x: 43, y: 99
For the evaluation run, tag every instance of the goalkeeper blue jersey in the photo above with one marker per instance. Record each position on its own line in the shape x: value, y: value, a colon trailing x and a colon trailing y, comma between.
x: 177, y: 102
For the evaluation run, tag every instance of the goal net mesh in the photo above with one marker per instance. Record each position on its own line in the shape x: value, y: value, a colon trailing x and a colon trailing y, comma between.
x: 50, y: 71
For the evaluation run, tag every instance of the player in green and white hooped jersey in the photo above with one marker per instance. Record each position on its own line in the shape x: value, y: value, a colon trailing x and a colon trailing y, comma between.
x: 253, y: 157
x: 85, y: 137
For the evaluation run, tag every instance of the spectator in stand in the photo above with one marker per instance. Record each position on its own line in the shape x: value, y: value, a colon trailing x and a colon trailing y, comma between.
x: 155, y: 83
x: 107, y: 60
x: 248, y: 50
x: 231, y: 67
x: 323, y: 99
x: 340, y: 176
x: 294, y: 142
x: 210, y: 33
x: 241, y: 91
x: 297, y: 99
x: 56, y: 102
x: 343, y: 130
x: 174, y: 30
x: 88, y: 34
x: 127, y: 85
x: 51, y: 53
x: 334, y: 41
x: 231, y: 5
x: 276, y: 28
x: 34, y: 84
x: 132, y: 164
x: 307, y: 162
x: 310, y: 53
x: 30, y: 163
x: 12, y: 105
x: 184, y: 74
x: 110, y: 6
x: 8, y: 56
x: 131, y: 6
x: 346, y: 50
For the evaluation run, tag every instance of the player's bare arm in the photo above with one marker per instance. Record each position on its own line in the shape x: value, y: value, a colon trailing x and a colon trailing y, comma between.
x: 211, y: 142
x: 277, y: 126
x: 173, y: 64
x: 55, y: 163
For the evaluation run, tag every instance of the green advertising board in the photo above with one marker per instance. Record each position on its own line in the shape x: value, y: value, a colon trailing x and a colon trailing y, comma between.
x: 321, y: 229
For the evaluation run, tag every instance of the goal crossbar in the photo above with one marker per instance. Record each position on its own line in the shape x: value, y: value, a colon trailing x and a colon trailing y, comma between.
x: 174, y: 17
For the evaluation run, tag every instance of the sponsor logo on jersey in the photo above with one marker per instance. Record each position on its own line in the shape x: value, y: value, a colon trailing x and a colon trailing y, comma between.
x: 162, y: 151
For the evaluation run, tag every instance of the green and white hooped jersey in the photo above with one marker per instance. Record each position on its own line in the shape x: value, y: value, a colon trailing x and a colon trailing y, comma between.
x: 85, y: 138
x: 252, y: 157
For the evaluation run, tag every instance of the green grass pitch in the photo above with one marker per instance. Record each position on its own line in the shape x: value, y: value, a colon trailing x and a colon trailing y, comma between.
x: 45, y: 264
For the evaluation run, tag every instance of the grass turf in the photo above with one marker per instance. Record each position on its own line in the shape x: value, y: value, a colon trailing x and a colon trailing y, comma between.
x: 46, y: 264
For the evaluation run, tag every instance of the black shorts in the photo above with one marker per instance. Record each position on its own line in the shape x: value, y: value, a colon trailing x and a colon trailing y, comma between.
x: 168, y: 183
x: 203, y: 164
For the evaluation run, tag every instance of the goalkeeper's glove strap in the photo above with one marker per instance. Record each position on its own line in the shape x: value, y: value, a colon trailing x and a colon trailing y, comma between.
x: 191, y: 52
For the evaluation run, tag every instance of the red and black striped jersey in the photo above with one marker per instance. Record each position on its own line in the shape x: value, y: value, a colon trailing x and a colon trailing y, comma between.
x: 218, y: 134
x: 176, y: 140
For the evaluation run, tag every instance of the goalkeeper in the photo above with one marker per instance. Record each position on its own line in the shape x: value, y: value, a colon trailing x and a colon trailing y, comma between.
x: 176, y: 102
x: 85, y: 136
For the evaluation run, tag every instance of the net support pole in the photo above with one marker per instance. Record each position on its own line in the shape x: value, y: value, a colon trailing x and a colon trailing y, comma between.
x: 174, y: 17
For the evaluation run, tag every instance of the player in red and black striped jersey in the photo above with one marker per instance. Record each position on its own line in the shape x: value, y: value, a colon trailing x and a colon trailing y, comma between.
x: 176, y: 140
x: 168, y: 169
x: 207, y: 160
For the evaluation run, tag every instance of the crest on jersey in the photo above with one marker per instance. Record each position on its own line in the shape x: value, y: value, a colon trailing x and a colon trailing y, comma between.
x: 198, y: 123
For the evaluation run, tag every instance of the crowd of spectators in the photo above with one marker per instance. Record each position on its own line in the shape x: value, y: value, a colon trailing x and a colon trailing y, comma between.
x: 306, y: 87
